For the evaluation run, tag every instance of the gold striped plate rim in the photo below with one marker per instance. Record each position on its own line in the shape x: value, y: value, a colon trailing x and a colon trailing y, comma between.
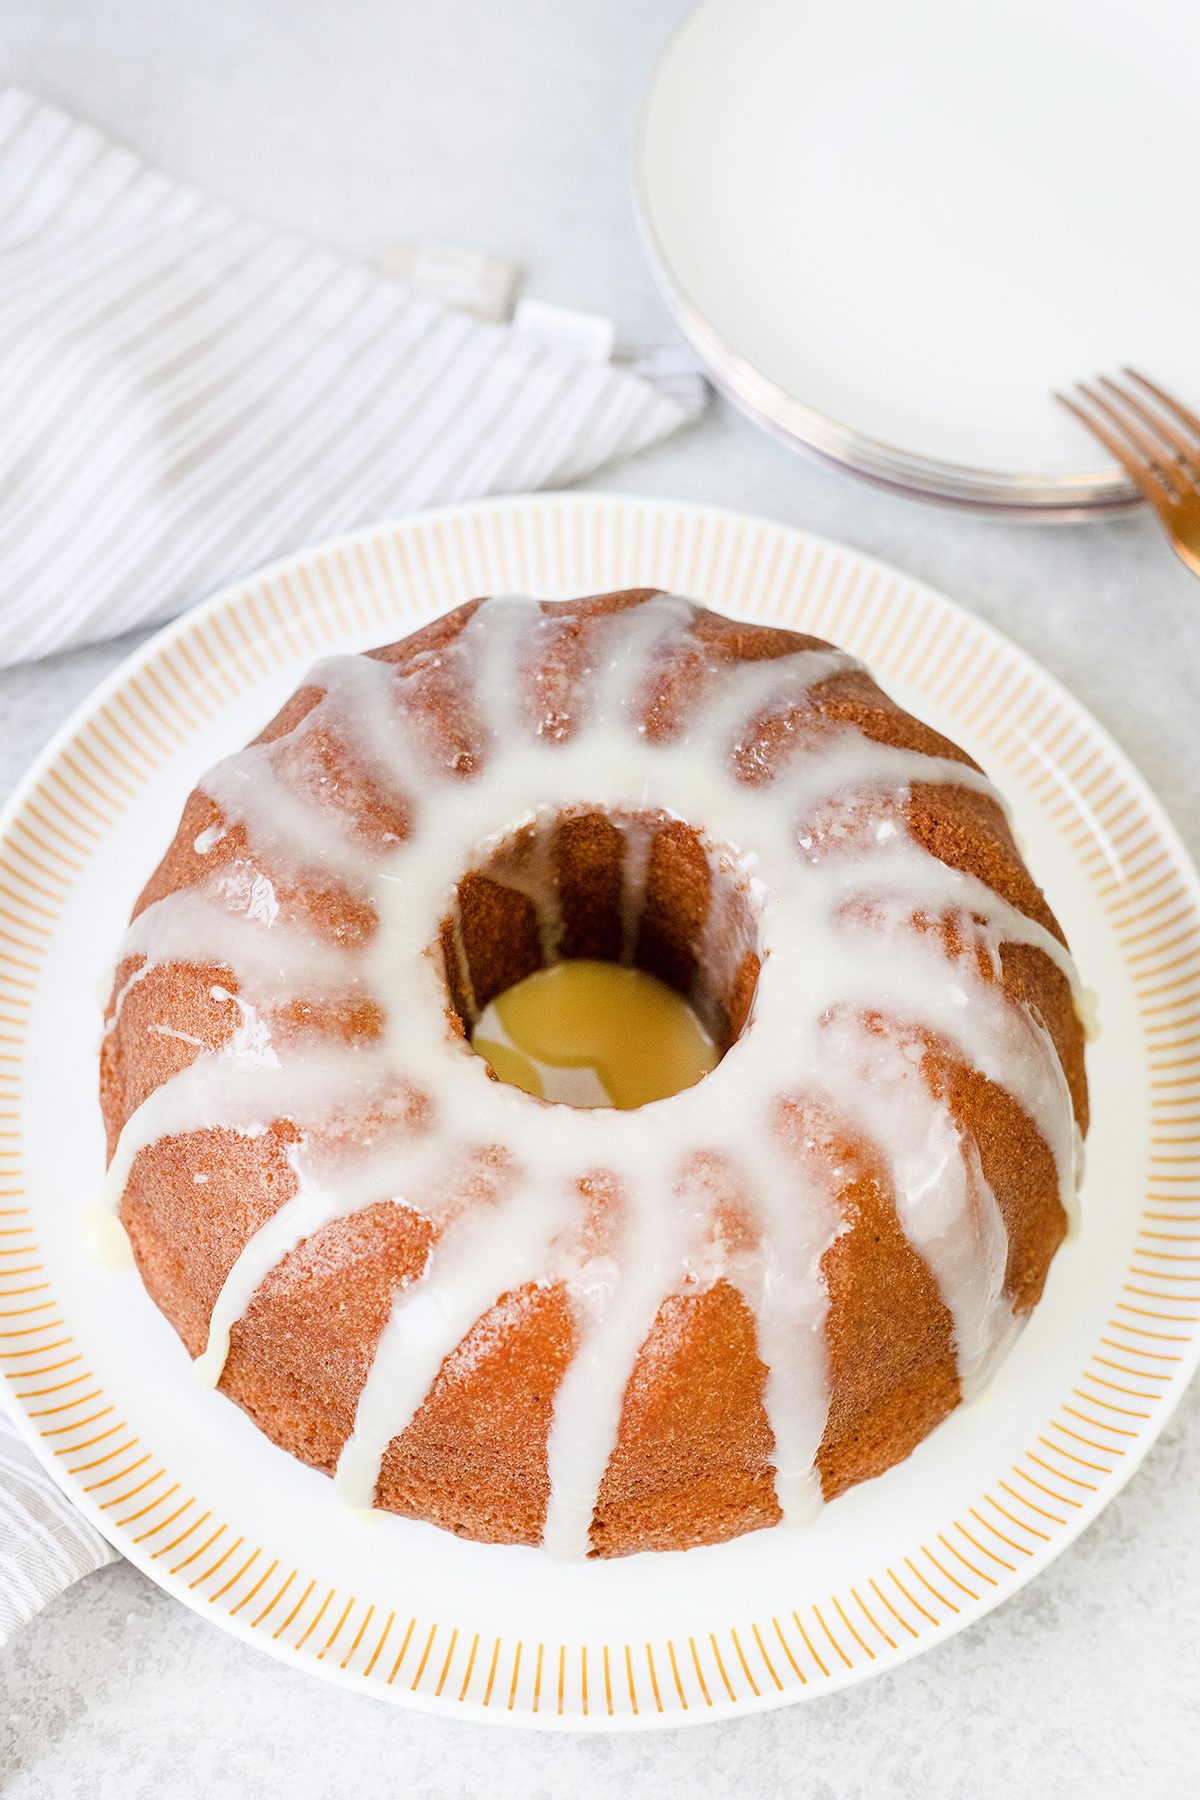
x: 387, y: 580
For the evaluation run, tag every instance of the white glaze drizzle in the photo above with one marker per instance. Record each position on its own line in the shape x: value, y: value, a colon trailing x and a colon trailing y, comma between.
x: 829, y: 915
x: 481, y: 1254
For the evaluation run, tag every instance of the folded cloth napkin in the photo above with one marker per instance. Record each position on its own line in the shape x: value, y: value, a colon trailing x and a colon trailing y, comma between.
x: 189, y: 394
x: 45, y: 1544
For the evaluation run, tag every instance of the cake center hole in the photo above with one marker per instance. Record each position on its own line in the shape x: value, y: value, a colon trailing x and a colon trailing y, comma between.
x: 602, y: 960
x: 595, y: 1034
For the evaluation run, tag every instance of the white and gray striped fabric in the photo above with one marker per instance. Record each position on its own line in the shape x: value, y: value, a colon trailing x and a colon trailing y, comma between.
x: 45, y: 1544
x: 187, y: 394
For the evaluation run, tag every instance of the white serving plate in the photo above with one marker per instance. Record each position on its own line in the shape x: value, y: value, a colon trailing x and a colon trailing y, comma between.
x: 179, y: 1480
x: 891, y: 232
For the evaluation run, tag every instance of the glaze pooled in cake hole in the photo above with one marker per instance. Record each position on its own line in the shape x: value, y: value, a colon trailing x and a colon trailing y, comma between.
x: 594, y: 1034
x: 872, y: 958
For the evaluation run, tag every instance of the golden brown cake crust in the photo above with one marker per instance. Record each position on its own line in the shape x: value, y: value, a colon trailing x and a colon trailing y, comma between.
x: 693, y: 1462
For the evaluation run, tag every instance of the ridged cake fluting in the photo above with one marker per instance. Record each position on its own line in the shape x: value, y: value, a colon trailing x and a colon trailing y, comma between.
x: 529, y: 1322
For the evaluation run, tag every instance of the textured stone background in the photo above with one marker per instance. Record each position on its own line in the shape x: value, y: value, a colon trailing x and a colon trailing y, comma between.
x: 507, y: 123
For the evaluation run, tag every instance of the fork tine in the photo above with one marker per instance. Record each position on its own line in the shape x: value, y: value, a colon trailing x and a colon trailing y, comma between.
x: 1181, y: 412
x: 1151, y: 448
x: 1138, y: 472
x: 1185, y: 453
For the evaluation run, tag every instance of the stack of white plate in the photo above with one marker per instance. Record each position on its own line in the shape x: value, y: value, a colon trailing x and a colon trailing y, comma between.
x: 892, y: 231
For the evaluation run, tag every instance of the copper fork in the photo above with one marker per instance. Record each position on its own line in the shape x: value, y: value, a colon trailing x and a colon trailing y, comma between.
x: 1147, y: 442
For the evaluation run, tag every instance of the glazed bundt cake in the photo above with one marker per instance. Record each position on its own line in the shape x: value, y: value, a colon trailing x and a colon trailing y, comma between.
x: 529, y: 1322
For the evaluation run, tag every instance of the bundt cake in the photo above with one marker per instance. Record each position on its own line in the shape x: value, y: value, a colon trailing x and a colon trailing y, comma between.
x: 530, y: 1322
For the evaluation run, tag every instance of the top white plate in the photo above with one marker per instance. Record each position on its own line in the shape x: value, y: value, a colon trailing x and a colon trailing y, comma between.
x: 180, y: 1480
x: 891, y: 232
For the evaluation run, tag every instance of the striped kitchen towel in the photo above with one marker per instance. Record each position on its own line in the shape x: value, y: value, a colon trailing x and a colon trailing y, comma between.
x: 188, y: 394
x: 45, y: 1544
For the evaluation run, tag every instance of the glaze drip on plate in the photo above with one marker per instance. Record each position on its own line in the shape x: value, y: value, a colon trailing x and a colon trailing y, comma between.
x: 881, y: 964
